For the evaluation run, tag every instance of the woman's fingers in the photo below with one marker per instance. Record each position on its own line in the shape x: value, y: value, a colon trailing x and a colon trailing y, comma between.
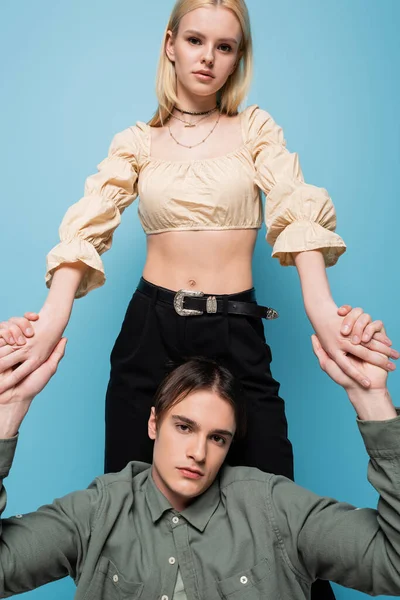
x: 359, y: 327
x: 350, y: 320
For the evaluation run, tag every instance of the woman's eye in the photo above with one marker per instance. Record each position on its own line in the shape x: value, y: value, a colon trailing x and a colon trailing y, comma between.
x: 193, y: 40
x: 225, y: 48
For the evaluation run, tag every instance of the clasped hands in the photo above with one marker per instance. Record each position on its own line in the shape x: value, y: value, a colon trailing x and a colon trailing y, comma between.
x: 27, y: 342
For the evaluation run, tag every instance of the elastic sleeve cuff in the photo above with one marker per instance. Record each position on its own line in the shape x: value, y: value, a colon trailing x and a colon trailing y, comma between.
x: 302, y: 236
x: 381, y: 438
x: 7, y: 451
x: 77, y: 250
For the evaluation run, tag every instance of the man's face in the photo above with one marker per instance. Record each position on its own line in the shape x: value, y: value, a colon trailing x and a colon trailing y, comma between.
x: 191, y: 443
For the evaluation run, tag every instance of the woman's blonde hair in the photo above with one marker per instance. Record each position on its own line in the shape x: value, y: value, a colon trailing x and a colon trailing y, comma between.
x: 236, y: 87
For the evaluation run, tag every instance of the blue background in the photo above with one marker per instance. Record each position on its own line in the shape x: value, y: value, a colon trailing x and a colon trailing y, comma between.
x: 72, y: 75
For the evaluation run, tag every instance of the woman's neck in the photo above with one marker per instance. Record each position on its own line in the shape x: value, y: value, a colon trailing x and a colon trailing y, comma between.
x: 191, y: 103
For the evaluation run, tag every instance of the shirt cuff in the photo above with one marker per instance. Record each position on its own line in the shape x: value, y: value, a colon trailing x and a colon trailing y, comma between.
x: 303, y: 236
x: 381, y: 438
x: 7, y: 451
x: 73, y: 251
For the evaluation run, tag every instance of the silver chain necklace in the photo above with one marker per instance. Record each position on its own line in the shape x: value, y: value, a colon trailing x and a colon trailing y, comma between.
x: 198, y: 144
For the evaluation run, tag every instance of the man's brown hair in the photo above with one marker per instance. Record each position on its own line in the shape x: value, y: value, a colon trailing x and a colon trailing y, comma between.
x: 201, y: 374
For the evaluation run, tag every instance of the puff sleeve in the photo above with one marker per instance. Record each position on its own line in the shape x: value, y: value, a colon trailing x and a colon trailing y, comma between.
x: 87, y: 228
x: 298, y: 216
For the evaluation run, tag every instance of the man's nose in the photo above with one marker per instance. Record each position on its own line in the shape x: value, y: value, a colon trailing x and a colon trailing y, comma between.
x: 198, y: 449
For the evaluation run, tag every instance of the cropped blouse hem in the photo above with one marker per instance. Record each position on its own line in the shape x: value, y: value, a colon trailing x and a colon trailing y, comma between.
x: 197, y: 227
x: 77, y: 250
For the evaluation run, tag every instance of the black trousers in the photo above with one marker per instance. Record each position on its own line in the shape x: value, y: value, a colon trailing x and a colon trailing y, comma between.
x: 152, y: 337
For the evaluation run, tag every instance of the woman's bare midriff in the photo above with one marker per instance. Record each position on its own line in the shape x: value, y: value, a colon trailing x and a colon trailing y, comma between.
x: 214, y: 262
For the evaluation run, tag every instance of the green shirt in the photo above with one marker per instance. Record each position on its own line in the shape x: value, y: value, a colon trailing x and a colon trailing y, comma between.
x: 251, y: 535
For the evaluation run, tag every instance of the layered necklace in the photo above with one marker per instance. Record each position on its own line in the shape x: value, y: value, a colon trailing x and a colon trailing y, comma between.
x: 203, y: 115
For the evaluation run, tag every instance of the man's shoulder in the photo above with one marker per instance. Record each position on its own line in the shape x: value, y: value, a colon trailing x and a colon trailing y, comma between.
x: 237, y: 476
x: 134, y: 474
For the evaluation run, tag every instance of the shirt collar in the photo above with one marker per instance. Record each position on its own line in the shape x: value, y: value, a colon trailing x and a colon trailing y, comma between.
x: 197, y: 514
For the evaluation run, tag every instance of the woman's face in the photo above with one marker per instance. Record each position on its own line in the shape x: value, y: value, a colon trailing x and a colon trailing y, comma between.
x: 208, y: 40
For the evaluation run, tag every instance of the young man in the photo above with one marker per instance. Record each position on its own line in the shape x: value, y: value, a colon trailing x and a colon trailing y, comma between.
x: 189, y: 527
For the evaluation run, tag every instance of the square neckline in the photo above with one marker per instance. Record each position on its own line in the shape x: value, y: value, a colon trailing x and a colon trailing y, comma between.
x: 237, y: 150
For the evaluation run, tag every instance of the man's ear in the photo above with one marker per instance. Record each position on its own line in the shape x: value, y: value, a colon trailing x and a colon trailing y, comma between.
x: 152, y: 424
x: 169, y: 46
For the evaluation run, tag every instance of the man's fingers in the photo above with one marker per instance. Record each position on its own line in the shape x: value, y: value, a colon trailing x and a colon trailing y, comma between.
x: 351, y: 371
x: 383, y: 348
x: 373, y: 357
x: 12, y: 359
x: 5, y: 333
x: 58, y: 353
x: 5, y: 350
x: 349, y: 321
x: 344, y: 310
x: 16, y: 375
x: 24, y: 324
x: 328, y: 365
x: 32, y: 316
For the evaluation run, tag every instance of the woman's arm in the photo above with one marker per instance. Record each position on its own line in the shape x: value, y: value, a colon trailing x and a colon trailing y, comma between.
x: 48, y: 329
x: 330, y: 327
x: 74, y: 266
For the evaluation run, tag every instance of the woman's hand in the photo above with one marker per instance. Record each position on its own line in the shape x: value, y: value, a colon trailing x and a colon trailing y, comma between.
x: 24, y: 358
x: 335, y: 331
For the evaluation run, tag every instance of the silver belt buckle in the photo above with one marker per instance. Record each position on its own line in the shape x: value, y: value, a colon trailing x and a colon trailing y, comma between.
x: 179, y: 300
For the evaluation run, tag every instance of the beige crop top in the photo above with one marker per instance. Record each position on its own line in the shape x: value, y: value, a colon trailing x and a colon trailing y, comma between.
x: 216, y: 193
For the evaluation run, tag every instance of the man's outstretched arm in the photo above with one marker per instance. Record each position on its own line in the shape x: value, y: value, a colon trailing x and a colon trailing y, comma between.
x: 48, y: 544
x: 326, y: 539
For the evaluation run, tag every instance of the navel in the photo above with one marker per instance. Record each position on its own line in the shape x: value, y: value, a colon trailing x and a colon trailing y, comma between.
x: 192, y: 283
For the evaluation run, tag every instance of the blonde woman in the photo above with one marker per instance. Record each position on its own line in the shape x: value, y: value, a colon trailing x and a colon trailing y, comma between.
x: 198, y: 167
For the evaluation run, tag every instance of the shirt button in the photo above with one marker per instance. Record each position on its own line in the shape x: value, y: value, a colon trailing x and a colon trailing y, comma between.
x: 18, y: 516
x: 171, y: 560
x: 115, y: 578
x: 175, y: 520
x: 164, y: 597
x: 243, y: 580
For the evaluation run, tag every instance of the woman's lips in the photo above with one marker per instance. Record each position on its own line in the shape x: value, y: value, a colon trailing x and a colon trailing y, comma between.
x: 203, y: 77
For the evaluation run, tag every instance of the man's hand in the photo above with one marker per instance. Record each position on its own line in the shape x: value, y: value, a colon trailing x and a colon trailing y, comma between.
x: 27, y: 354
x: 372, y: 404
x: 15, y: 399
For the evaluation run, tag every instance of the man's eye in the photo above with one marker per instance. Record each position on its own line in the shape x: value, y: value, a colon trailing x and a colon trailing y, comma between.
x: 219, y: 440
x: 183, y: 428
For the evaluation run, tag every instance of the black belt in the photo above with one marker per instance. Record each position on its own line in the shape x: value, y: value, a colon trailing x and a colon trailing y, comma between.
x: 188, y: 303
